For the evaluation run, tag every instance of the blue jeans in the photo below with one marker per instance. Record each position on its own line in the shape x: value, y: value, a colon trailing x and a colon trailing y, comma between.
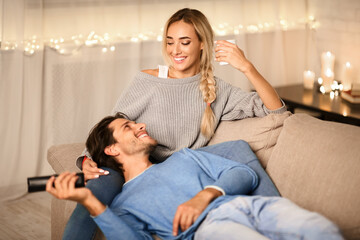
x: 276, y: 218
x: 81, y: 225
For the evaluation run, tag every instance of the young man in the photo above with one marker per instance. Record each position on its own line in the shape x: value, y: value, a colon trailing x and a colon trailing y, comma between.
x: 193, y: 194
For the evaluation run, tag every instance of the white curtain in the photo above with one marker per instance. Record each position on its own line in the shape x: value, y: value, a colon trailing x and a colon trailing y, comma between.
x: 63, y: 63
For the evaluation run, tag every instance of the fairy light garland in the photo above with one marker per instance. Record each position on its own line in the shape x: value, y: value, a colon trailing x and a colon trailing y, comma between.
x: 107, y: 43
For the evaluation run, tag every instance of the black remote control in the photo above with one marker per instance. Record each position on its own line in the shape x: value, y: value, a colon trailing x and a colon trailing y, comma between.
x: 36, y: 184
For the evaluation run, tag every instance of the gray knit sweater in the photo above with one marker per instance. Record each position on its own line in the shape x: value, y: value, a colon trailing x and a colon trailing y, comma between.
x: 172, y: 109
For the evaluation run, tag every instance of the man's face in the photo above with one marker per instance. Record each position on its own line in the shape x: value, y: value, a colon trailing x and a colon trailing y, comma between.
x: 132, y: 137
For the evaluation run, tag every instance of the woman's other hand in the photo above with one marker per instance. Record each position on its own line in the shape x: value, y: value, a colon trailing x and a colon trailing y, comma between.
x: 229, y: 52
x: 91, y: 171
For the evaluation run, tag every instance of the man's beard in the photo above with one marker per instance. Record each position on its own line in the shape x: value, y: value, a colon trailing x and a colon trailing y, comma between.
x: 149, y: 148
x: 146, y: 148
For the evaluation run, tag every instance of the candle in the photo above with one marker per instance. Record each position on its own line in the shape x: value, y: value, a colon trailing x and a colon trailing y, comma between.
x: 327, y: 70
x: 328, y: 78
x: 327, y: 61
x: 347, y: 76
x: 309, y: 77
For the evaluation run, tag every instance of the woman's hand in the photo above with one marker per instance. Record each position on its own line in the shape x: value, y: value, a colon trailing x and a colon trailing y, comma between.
x: 91, y: 171
x: 228, y: 52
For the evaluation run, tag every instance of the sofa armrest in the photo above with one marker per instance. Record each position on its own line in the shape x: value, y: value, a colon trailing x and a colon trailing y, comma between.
x: 63, y: 157
x: 316, y: 164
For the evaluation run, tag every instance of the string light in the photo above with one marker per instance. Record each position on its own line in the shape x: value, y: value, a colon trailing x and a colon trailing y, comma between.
x: 106, y: 42
x: 336, y: 87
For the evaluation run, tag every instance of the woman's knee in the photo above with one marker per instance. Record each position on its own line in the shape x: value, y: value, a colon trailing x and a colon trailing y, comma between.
x: 106, y: 187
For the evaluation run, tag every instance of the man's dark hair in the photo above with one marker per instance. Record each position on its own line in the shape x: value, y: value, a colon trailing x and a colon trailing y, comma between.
x: 101, y: 136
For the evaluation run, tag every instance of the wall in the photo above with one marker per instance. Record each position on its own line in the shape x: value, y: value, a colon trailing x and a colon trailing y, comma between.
x: 339, y: 33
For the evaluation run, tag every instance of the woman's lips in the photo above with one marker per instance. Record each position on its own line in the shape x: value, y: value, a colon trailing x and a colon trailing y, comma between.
x: 179, y: 59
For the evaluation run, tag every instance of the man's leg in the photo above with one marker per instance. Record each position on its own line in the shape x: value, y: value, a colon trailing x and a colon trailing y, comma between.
x: 282, y: 219
x: 226, y: 229
x: 105, y: 188
x: 237, y: 151
x: 275, y: 218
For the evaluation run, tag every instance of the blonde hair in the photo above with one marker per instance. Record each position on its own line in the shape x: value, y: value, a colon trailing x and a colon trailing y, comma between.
x: 207, y: 83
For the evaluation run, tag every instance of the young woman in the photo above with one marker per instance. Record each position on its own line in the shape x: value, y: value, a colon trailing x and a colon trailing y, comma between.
x: 182, y: 103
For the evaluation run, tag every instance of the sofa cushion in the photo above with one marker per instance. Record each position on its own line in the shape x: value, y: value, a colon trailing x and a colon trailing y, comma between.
x: 260, y: 133
x: 316, y: 164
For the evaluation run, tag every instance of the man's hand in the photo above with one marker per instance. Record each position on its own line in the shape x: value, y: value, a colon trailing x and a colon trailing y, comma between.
x: 187, y: 213
x: 91, y: 171
x: 65, y: 189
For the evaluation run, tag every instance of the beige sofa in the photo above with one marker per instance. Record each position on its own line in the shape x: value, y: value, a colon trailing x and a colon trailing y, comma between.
x: 314, y: 163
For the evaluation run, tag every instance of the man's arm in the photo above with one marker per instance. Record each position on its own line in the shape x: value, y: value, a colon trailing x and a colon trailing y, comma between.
x: 187, y: 213
x: 230, y: 178
x: 111, y: 225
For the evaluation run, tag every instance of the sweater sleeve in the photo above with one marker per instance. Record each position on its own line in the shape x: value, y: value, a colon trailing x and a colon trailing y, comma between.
x: 240, y: 104
x: 232, y: 177
x: 121, y: 227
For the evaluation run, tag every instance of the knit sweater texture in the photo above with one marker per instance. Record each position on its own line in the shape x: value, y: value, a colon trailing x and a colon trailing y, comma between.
x: 172, y: 109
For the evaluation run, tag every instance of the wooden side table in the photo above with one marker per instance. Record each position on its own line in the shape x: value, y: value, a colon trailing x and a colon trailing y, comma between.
x: 324, y: 107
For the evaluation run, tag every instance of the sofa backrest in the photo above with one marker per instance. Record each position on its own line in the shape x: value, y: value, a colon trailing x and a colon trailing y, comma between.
x: 316, y: 164
x: 260, y: 133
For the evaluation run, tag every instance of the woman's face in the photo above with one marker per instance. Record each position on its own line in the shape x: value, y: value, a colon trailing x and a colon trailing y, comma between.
x: 183, y: 48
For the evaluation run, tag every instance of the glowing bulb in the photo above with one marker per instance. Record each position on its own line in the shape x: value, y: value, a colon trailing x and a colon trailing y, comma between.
x: 322, y: 89
x: 332, y: 94
x: 104, y: 50
x: 112, y: 48
x: 134, y: 39
x: 91, y: 35
x: 320, y: 80
x: 329, y: 73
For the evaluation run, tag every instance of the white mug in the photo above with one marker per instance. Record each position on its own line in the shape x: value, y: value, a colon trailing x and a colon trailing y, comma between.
x: 231, y: 41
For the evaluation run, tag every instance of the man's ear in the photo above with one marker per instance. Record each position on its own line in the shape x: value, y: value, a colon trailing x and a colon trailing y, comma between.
x: 111, y: 150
